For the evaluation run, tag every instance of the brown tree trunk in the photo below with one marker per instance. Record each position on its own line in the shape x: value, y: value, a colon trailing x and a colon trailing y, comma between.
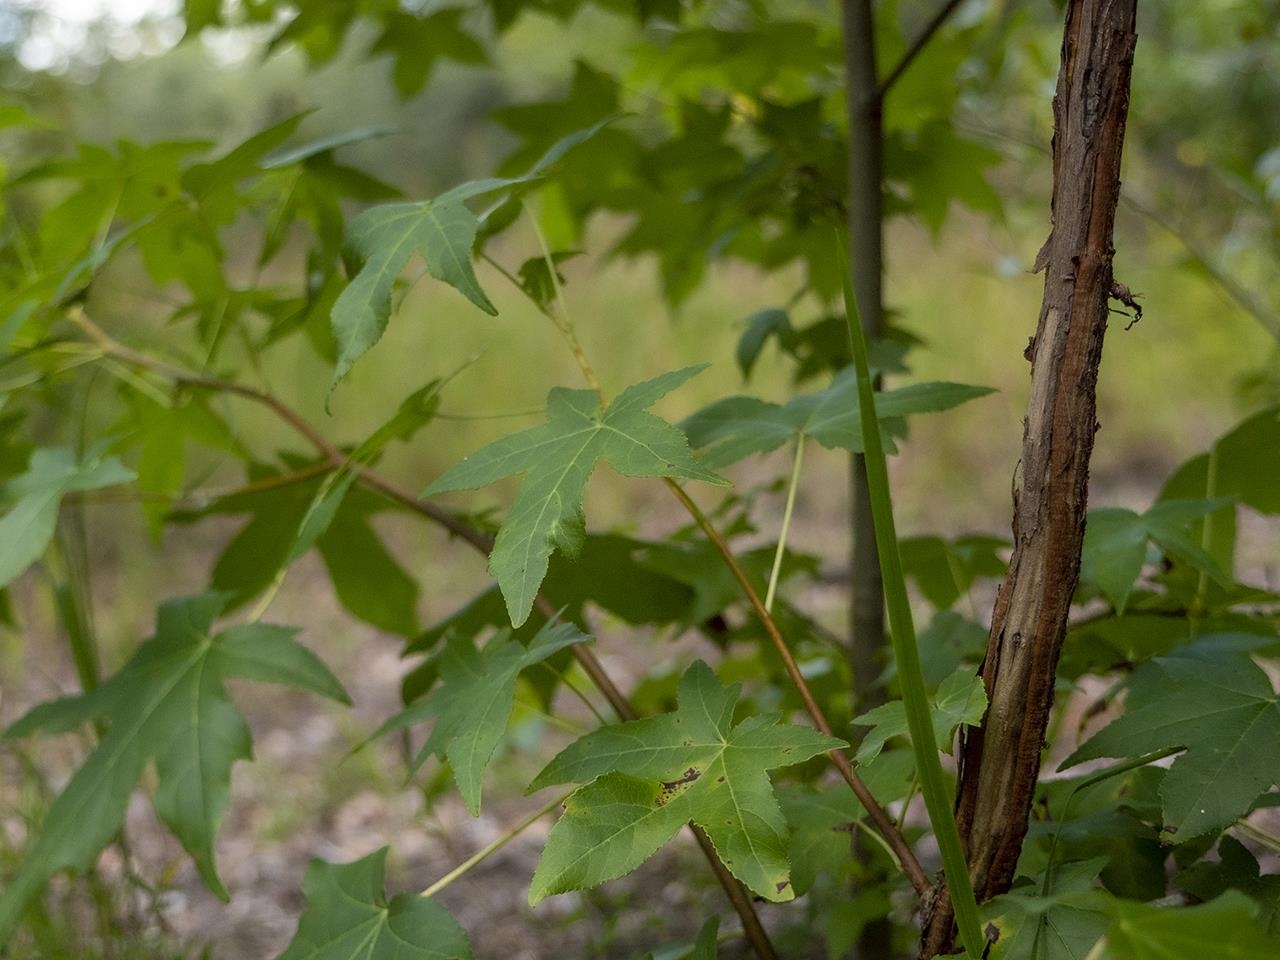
x: 1000, y: 761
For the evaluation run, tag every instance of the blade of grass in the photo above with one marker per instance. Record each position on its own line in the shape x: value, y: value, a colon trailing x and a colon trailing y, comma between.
x: 915, y: 698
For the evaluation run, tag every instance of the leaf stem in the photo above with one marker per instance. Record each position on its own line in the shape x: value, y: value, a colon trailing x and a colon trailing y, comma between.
x: 562, y: 320
x: 915, y: 697
x: 786, y: 525
x: 879, y: 816
x: 490, y: 849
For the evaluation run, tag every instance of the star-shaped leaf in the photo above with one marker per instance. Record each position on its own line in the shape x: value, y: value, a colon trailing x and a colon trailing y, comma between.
x: 1218, y: 704
x: 737, y: 427
x: 647, y: 778
x: 348, y: 917
x: 167, y: 705
x: 473, y: 702
x: 442, y: 231
x: 961, y: 701
x: 417, y: 43
x: 556, y: 459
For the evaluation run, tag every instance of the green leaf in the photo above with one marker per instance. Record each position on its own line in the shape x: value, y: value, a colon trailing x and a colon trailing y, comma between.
x: 161, y: 431
x: 945, y: 570
x: 1115, y: 544
x: 737, y: 427
x: 34, y: 496
x: 1224, y: 929
x: 1236, y: 867
x: 1216, y: 702
x: 822, y: 821
x: 1063, y: 924
x: 471, y: 706
x: 704, y: 948
x: 348, y: 917
x: 442, y: 231
x: 961, y: 701
x: 368, y: 580
x: 417, y: 43
x: 556, y: 459
x: 759, y: 327
x: 167, y: 705
x: 1246, y: 461
x: 649, y: 777
x: 535, y: 276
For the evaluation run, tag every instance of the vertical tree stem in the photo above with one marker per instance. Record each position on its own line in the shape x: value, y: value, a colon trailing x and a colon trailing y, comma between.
x: 1000, y: 761
x: 866, y: 263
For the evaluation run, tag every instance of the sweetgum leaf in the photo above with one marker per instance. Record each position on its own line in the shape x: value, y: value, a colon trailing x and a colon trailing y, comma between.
x: 556, y: 459
x: 416, y: 43
x: 28, y: 526
x: 167, y: 705
x: 1218, y: 704
x: 348, y: 917
x: 736, y: 427
x: 473, y: 702
x: 442, y: 231
x: 647, y: 778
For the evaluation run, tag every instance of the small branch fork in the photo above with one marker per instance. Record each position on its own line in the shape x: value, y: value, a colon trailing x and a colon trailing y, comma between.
x: 917, y: 47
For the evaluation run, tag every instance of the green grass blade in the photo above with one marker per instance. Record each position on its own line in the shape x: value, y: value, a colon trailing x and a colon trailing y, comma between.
x: 915, y: 698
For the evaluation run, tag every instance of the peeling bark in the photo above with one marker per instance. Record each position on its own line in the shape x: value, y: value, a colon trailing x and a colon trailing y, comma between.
x: 1000, y: 761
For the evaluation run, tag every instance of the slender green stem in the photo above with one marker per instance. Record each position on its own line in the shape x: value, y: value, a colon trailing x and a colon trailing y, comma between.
x: 1206, y: 540
x: 912, y: 787
x: 273, y: 589
x: 490, y: 849
x: 575, y: 690
x: 563, y: 321
x: 786, y: 525
x: 915, y: 697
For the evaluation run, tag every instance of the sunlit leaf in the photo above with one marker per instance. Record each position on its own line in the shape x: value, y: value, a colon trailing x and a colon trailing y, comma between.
x: 645, y: 779
x: 557, y: 459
